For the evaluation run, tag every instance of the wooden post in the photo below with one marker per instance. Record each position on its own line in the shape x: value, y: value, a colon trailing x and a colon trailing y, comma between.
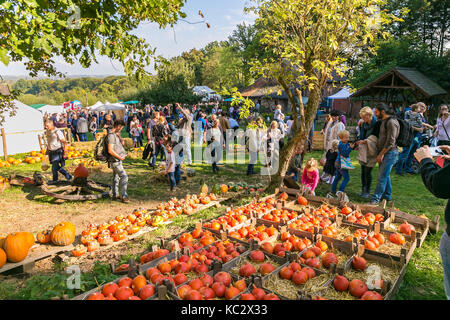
x: 5, y: 152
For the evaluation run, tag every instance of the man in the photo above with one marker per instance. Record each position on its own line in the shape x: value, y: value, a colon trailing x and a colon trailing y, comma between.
x: 56, y: 144
x: 117, y: 154
x: 387, y: 151
x: 73, y: 127
x: 185, y: 131
x: 82, y: 128
x: 437, y: 181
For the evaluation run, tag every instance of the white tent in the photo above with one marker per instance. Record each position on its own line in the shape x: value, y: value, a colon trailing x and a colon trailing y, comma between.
x: 52, y: 109
x: 109, y: 107
x: 342, y: 94
x: 99, y: 103
x: 22, y: 129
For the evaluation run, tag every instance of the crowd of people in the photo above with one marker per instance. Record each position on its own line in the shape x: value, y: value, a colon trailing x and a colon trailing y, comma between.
x: 378, y: 133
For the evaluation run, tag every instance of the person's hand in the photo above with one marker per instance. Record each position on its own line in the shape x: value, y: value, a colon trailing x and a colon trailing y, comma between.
x: 446, y: 149
x: 423, y: 153
x: 380, y: 158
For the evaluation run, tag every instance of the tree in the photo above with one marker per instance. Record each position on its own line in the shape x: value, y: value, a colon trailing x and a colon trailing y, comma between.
x: 306, y: 40
x: 37, y: 31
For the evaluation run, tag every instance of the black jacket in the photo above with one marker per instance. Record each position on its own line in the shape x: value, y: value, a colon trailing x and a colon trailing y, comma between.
x: 437, y: 181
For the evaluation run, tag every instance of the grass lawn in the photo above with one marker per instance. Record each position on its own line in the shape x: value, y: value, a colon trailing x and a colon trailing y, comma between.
x: 423, y: 279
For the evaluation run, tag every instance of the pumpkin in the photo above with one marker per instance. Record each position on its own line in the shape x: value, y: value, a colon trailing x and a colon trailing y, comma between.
x: 2, y: 257
x: 29, y: 236
x: 224, y: 188
x: 79, y: 251
x: 16, y: 246
x: 43, y: 237
x: 63, y: 234
x: 81, y: 171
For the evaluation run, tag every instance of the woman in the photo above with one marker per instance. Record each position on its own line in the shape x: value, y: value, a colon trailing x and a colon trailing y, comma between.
x: 159, y: 132
x: 215, y: 142
x: 273, y: 136
x: 333, y: 127
x: 366, y: 143
x: 93, y: 127
x: 443, y: 127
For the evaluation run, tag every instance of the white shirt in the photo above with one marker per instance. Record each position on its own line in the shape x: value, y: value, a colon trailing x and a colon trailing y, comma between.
x: 170, y: 158
x: 54, y: 138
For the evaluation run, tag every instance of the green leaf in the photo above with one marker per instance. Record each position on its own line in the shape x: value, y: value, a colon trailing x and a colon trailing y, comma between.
x: 4, y: 57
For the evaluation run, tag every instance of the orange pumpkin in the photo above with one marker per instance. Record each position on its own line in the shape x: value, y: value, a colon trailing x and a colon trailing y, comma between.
x: 63, y: 234
x: 43, y: 237
x: 16, y: 246
x: 79, y: 251
x: 29, y: 236
x: 224, y: 188
x: 2, y: 258
x: 81, y: 171
x: 302, y: 201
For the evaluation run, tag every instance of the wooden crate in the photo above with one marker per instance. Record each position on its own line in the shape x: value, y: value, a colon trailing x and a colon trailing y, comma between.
x: 410, y: 218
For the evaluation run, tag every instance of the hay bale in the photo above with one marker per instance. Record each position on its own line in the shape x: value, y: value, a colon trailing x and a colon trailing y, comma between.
x: 128, y: 143
x: 88, y: 145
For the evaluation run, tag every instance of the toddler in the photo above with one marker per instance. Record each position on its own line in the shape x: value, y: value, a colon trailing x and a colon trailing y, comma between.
x: 310, y: 177
x: 329, y: 170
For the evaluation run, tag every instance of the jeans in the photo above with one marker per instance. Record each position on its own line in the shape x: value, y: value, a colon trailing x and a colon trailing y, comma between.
x: 177, y: 174
x: 172, y: 182
x: 140, y: 140
x: 187, y: 148
x: 444, y: 250
x: 251, y: 163
x: 58, y: 164
x: 159, y: 148
x: 339, y: 174
x: 120, y: 178
x: 405, y: 158
x: 366, y: 178
x: 383, y: 189
x: 82, y: 136
x: 95, y: 135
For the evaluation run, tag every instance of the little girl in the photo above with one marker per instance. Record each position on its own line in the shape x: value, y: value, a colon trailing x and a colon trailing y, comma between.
x: 329, y: 169
x: 135, y: 134
x: 310, y: 177
x: 344, y: 149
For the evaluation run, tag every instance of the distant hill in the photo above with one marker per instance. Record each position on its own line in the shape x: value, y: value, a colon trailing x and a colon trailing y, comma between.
x: 73, y: 76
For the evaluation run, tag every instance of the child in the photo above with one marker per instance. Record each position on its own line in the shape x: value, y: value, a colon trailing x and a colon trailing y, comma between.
x: 170, y: 165
x: 310, y: 177
x: 344, y: 149
x: 329, y: 170
x: 135, y: 134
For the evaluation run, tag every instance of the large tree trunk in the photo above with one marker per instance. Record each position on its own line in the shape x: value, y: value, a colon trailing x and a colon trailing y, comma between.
x: 299, y: 138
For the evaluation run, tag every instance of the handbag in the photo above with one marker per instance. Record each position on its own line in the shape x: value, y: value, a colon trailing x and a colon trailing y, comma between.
x: 346, y: 163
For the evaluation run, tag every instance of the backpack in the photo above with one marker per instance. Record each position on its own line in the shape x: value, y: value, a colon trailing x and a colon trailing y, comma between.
x: 406, y: 133
x: 101, y: 149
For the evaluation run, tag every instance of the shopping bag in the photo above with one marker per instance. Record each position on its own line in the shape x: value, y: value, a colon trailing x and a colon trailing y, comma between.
x: 45, y: 164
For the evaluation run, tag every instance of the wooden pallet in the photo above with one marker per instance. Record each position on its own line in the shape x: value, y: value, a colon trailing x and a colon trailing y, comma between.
x: 28, y: 264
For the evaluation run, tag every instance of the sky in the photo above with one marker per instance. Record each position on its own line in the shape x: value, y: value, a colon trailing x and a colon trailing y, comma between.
x: 223, y: 17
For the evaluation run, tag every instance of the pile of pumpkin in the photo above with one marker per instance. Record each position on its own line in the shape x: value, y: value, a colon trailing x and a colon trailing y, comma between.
x: 32, y: 158
x: 187, y: 206
x: 115, y: 230
x: 4, y: 182
x: 16, y: 246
